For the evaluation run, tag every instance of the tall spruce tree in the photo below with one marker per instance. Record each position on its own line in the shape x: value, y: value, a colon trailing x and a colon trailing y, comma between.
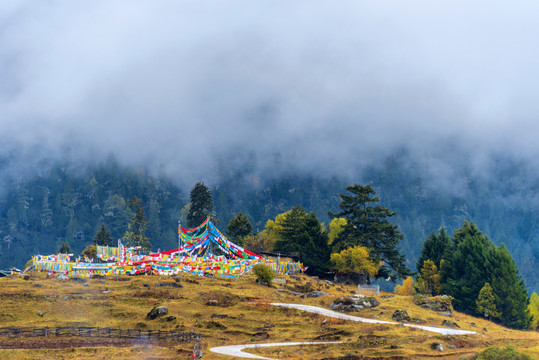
x: 201, y: 205
x: 433, y: 248
x: 368, y: 225
x: 464, y: 266
x: 135, y: 234
x: 509, y: 289
x: 303, y: 234
x: 239, y: 227
x: 65, y: 248
x: 103, y: 238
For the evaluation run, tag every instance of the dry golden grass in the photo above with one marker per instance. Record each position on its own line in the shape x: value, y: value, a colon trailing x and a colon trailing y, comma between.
x: 246, y: 316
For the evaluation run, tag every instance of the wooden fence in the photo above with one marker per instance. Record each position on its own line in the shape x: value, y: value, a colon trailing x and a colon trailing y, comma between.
x: 372, y: 290
x: 101, y: 332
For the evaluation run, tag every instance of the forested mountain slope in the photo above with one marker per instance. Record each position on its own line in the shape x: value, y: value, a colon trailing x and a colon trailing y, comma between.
x: 39, y: 212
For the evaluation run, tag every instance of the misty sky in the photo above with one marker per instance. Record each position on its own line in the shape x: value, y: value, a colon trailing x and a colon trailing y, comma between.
x: 312, y: 85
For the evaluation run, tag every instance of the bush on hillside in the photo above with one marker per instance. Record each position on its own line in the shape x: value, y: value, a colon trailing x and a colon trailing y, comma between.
x: 90, y: 252
x: 263, y: 273
x: 507, y: 353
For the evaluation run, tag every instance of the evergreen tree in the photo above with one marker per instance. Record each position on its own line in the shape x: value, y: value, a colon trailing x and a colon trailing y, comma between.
x: 368, y: 225
x: 486, y: 303
x: 134, y: 236
x: 509, y: 289
x: 239, y: 228
x: 303, y: 234
x: 201, y: 205
x: 65, y: 248
x: 465, y: 267
x: 103, y: 238
x: 434, y: 248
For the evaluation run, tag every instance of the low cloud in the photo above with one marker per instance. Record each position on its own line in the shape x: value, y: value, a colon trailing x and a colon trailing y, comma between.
x: 309, y: 86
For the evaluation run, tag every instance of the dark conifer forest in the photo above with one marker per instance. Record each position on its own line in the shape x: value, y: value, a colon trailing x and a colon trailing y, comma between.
x: 38, y: 213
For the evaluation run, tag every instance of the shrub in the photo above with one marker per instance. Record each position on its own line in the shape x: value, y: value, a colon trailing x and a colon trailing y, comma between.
x: 90, y: 252
x: 507, y: 353
x: 263, y: 273
x: 220, y: 298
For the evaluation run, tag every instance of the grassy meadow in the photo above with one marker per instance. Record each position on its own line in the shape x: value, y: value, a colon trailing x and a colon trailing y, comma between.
x: 227, y: 312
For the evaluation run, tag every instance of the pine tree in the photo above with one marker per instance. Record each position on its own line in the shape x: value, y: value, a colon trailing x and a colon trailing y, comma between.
x: 486, y: 303
x: 65, y: 248
x: 239, y: 227
x: 434, y: 248
x: 103, y: 238
x: 509, y: 289
x: 303, y: 234
x: 465, y: 267
x: 201, y: 205
x: 368, y: 225
x: 134, y: 236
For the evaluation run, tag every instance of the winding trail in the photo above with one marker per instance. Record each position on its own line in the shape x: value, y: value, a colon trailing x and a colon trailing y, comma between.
x: 331, y: 313
x: 236, y: 350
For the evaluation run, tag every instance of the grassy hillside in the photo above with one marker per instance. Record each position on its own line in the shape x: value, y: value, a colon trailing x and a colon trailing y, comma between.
x: 244, y: 316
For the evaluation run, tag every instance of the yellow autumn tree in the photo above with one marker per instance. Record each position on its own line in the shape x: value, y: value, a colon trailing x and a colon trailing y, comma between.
x: 407, y: 287
x: 335, y: 227
x: 355, y: 260
x: 266, y: 239
x: 274, y: 228
x: 533, y: 310
x: 429, y: 280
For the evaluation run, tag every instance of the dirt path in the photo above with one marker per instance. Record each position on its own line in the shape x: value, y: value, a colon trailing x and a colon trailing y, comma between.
x: 331, y: 313
x: 236, y: 350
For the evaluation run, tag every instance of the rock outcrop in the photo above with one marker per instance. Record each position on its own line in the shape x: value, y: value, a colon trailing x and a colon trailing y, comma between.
x: 441, y: 303
x: 401, y: 316
x: 156, y: 312
x: 354, y: 303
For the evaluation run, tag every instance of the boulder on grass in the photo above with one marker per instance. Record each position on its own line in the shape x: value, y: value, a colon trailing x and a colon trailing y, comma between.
x: 314, y: 294
x: 441, y: 303
x: 437, y: 346
x: 450, y: 324
x: 400, y: 316
x: 156, y: 312
x: 354, y: 303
